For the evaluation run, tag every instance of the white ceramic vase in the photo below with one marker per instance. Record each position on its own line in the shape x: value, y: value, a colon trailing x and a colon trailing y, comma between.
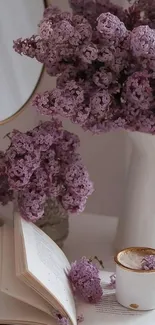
x: 137, y: 223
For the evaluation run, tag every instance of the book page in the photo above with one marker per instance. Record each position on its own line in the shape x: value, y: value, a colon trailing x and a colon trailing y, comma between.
x: 110, y: 312
x: 12, y: 311
x: 48, y: 265
x: 10, y: 284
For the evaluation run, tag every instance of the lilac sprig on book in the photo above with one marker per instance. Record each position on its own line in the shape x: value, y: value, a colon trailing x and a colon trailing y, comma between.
x: 84, y: 276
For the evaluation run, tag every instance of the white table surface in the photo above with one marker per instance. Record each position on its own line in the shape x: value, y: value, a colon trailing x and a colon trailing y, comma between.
x: 91, y: 235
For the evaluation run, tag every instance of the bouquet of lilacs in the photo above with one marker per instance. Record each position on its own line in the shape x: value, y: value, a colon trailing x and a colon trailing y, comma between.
x: 104, y: 59
x: 43, y: 164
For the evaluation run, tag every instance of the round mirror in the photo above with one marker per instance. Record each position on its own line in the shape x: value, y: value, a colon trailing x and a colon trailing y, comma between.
x: 19, y: 75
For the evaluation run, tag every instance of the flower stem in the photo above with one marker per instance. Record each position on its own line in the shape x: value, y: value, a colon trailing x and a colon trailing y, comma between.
x: 98, y: 260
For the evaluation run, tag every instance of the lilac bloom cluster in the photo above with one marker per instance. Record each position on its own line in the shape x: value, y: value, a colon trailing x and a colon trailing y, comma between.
x: 104, y: 61
x: 43, y: 163
x: 148, y: 262
x: 6, y: 194
x: 84, y: 276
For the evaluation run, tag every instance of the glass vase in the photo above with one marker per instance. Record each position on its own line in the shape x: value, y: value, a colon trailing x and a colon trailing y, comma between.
x: 55, y: 222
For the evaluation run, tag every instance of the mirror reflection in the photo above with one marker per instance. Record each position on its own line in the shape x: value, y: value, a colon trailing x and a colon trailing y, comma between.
x: 18, y: 75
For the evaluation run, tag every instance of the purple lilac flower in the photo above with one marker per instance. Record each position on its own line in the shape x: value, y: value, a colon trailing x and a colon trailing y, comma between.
x: 84, y: 276
x: 31, y: 203
x: 144, y: 123
x: 72, y: 202
x: 143, y: 42
x: 137, y: 94
x: 148, y: 262
x: 33, y: 47
x: 38, y: 166
x: 62, y: 32
x: 103, y: 59
x: 80, y: 319
x: 105, y: 54
x: 76, y: 177
x: 84, y: 29
x: 26, y: 46
x: 6, y: 194
x: 46, y: 29
x: 113, y: 281
x: 21, y: 167
x: 81, y: 115
x: 72, y: 94
x: 103, y: 78
x: 43, y: 103
x: 89, y: 53
x: 62, y: 101
x: 111, y: 28
x: 68, y: 75
x: 100, y: 103
x: 61, y: 320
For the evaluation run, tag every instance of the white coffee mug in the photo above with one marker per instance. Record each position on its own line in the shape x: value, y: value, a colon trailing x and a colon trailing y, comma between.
x: 135, y: 288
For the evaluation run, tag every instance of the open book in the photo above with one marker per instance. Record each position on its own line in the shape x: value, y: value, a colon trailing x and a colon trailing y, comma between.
x: 34, y: 285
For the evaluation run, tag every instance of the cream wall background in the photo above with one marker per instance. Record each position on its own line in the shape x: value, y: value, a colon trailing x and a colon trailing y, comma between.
x: 104, y: 155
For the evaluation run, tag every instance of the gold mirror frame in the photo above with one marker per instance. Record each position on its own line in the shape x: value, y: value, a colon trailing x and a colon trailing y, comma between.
x: 21, y: 109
